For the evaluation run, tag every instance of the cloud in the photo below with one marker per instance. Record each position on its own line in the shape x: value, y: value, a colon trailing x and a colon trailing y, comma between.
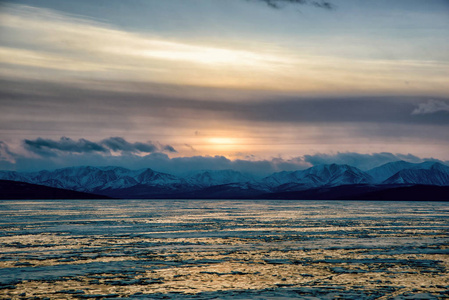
x: 190, y: 146
x: 5, y: 154
x: 52, y: 46
x: 66, y: 152
x: 277, y: 4
x: 120, y: 144
x: 430, y: 107
x: 323, y: 4
x: 359, y: 160
x: 171, y: 107
x: 180, y: 165
x: 169, y: 148
x: 48, y: 147
x: 63, y: 44
x: 345, y: 124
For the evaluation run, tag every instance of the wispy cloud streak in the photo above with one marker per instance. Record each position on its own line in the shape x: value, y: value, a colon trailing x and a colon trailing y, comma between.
x: 65, y: 42
x: 430, y: 107
x: 50, y: 45
x: 5, y: 154
x: 277, y: 4
x: 48, y: 147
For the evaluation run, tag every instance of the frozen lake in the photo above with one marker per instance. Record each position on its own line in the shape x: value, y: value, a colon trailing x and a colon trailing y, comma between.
x: 192, y: 249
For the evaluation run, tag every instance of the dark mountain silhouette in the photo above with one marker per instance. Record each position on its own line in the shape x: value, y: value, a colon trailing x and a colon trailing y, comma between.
x: 11, y: 190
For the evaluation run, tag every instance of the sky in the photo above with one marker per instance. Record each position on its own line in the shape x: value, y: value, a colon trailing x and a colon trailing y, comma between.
x: 253, y: 85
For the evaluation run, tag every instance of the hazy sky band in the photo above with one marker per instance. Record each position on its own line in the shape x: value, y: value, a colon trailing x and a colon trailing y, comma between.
x: 238, y: 78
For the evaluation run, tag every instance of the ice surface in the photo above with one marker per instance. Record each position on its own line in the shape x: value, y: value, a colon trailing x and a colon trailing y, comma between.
x: 181, y: 249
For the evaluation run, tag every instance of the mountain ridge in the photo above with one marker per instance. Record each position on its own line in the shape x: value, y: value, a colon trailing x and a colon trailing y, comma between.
x: 147, y: 183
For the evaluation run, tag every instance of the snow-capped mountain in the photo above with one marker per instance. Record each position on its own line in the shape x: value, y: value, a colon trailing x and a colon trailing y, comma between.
x: 316, y: 176
x: 436, y: 167
x: 206, y: 178
x: 338, y: 174
x: 95, y: 179
x: 150, y: 177
x: 13, y: 176
x: 384, y: 172
x: 122, y: 182
x: 419, y: 176
x: 284, y: 177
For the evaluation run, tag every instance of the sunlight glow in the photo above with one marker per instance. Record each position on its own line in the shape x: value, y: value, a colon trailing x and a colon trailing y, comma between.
x: 221, y: 141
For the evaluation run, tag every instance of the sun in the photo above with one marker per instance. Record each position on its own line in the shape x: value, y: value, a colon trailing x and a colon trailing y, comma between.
x: 225, y: 145
x: 221, y: 141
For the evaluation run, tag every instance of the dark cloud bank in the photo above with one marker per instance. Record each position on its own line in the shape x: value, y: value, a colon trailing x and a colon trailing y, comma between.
x: 277, y: 4
x: 41, y: 98
x: 65, y: 152
x: 47, y: 147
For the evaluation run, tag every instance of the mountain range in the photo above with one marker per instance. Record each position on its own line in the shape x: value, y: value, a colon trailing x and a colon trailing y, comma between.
x: 319, y: 182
